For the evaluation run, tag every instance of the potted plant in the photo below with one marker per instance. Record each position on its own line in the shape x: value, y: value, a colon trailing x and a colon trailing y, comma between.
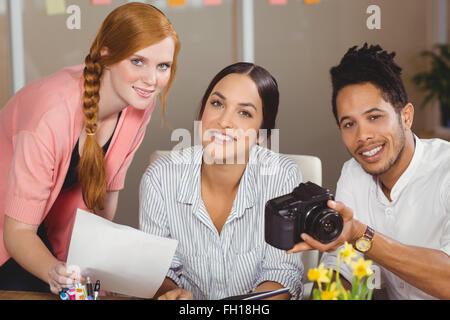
x: 436, y: 81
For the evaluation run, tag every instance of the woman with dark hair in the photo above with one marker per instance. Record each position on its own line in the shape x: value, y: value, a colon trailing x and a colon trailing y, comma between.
x: 213, y: 204
x: 67, y: 141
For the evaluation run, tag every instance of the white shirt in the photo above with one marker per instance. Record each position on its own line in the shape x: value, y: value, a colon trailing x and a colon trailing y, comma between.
x: 234, y: 262
x: 419, y: 214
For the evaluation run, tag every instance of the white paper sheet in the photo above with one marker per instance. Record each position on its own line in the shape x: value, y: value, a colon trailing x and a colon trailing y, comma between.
x: 125, y: 260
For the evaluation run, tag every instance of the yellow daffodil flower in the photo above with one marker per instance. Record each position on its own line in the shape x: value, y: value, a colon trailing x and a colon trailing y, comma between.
x: 319, y: 275
x: 361, y: 268
x: 347, y: 252
x: 330, y: 294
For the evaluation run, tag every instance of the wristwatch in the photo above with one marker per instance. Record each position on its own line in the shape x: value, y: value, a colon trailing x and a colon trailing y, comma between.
x: 364, y: 243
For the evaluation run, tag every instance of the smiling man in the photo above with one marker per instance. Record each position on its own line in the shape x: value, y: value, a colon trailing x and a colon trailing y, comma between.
x: 394, y: 194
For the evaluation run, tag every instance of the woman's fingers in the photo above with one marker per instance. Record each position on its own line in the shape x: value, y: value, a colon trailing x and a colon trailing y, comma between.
x: 61, y: 276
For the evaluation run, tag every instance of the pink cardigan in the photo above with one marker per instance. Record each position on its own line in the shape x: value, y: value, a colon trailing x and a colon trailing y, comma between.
x: 39, y: 128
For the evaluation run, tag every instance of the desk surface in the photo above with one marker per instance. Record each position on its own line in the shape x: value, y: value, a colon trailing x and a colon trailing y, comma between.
x: 21, y: 295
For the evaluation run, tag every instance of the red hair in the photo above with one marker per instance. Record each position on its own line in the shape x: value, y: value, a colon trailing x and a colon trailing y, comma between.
x: 126, y: 30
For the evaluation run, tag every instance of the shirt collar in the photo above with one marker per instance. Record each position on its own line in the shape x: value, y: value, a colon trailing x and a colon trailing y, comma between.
x: 191, y: 175
x: 246, y: 195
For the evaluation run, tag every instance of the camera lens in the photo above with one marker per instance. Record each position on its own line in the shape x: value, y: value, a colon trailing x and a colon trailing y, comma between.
x: 329, y: 226
x: 324, y: 224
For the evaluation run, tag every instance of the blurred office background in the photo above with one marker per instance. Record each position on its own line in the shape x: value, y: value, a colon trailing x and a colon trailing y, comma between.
x: 297, y: 43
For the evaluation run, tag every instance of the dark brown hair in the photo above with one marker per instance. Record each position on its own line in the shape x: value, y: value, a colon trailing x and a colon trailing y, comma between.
x: 267, y: 89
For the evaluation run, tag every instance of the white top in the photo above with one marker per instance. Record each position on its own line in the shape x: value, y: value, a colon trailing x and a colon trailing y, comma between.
x: 418, y: 215
x: 212, y: 265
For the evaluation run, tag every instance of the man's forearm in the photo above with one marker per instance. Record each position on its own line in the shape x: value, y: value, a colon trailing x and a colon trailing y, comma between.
x: 423, y: 268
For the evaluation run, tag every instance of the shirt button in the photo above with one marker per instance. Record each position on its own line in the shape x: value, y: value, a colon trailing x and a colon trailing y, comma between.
x: 388, y: 211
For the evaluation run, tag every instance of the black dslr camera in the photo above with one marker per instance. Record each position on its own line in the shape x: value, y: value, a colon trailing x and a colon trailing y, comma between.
x: 304, y: 210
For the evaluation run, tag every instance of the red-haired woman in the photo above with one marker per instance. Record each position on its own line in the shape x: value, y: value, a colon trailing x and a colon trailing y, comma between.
x: 67, y: 141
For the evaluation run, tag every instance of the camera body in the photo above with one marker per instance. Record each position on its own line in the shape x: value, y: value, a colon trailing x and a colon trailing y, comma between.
x: 304, y: 210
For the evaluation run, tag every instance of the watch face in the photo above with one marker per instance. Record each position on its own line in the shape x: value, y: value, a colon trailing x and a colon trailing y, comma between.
x: 363, y: 244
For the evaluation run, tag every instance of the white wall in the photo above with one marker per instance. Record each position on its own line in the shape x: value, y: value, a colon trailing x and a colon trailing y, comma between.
x: 2, y: 6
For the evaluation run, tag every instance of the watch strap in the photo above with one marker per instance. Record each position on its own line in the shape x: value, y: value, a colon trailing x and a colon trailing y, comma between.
x: 369, y: 233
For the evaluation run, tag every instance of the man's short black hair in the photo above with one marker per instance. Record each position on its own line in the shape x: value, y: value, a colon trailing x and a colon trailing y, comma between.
x: 374, y: 65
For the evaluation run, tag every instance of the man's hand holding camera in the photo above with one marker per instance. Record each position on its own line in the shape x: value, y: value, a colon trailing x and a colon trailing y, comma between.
x: 352, y: 230
x: 308, y: 218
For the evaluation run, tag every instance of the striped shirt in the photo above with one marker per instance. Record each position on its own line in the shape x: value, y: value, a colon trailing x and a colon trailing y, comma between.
x: 208, y: 264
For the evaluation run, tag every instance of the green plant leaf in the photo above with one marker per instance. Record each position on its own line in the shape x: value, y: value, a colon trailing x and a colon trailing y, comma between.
x: 316, y: 294
x: 369, y: 295
x: 364, y: 289
x: 436, y: 80
x: 355, y: 286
